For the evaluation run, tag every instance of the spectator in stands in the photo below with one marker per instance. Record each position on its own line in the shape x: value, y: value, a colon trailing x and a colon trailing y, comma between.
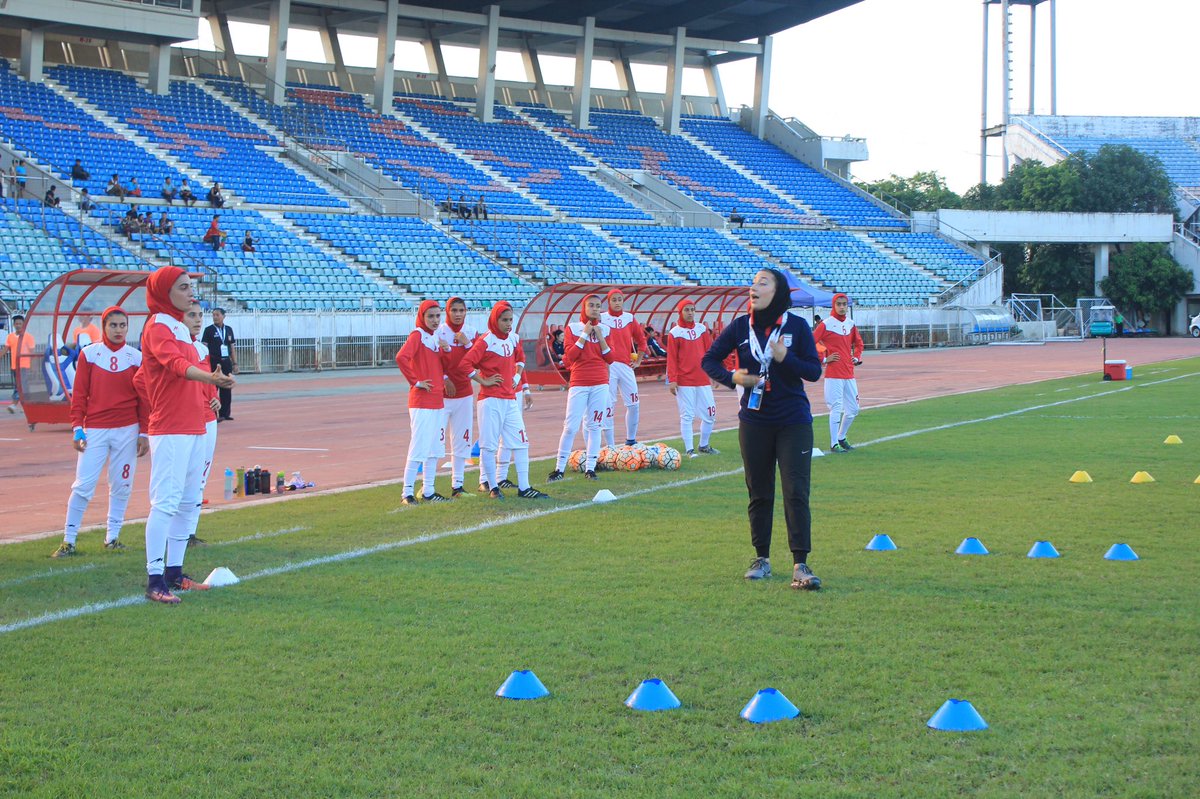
x: 134, y: 189
x: 248, y: 243
x: 85, y: 201
x: 114, y: 188
x: 215, y: 198
x: 737, y: 219
x: 464, y: 210
x: 147, y: 225
x: 215, y: 236
x: 652, y: 345
x: 168, y: 190
x: 481, y: 209
x: 78, y: 172
x: 165, y: 226
x: 51, y: 199
x: 131, y: 221
x: 19, y: 177
x: 185, y: 194
x: 448, y: 205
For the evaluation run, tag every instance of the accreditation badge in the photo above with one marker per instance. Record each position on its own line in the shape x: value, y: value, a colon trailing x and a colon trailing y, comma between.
x: 787, y: 339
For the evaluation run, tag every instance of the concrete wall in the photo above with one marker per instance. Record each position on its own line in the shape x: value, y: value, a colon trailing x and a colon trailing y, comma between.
x: 1018, y: 227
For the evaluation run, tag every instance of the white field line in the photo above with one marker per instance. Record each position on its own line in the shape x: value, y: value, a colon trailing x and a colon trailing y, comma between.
x: 258, y: 536
x: 29, y: 578
x: 97, y: 607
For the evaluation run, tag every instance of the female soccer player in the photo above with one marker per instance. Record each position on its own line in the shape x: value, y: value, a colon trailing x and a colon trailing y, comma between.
x: 459, y: 399
x: 587, y: 357
x: 776, y: 355
x: 843, y: 347
x: 174, y: 383
x: 423, y: 361
x: 628, y: 342
x: 497, y: 363
x: 687, y: 341
x: 194, y: 318
x: 108, y: 419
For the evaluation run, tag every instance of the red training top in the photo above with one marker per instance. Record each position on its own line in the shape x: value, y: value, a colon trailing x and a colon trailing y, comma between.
x: 103, y: 395
x: 625, y: 335
x: 176, y: 403
x: 494, y: 354
x: 422, y: 359
x: 458, y: 376
x: 840, y: 336
x: 686, y: 345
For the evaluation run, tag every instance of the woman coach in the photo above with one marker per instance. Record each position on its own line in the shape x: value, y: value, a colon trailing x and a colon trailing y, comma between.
x: 776, y: 354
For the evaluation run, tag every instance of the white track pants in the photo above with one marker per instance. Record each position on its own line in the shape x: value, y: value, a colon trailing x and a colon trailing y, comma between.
x: 426, y: 443
x: 502, y: 420
x: 622, y: 384
x: 176, y: 489
x: 587, y: 406
x: 695, y: 402
x: 459, y: 433
x: 842, y: 398
x: 116, y: 446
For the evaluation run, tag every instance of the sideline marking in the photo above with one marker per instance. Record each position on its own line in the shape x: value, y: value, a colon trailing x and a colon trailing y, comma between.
x: 28, y: 578
x: 292, y: 449
x: 258, y: 536
x: 98, y: 607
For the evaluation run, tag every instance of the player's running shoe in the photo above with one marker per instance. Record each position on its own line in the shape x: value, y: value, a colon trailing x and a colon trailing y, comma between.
x: 590, y: 475
x: 457, y: 492
x: 496, y: 493
x: 185, y: 583
x: 838, y: 448
x: 760, y: 569
x: 631, y: 442
x: 160, y: 593
x: 114, y: 546
x: 506, y: 483
x: 532, y: 493
x: 64, y: 550
x: 435, y: 498
x: 409, y: 500
x: 554, y: 476
x: 804, y: 580
x: 709, y: 450
x: 484, y: 487
x: 691, y: 453
x: 845, y: 445
x: 196, y: 541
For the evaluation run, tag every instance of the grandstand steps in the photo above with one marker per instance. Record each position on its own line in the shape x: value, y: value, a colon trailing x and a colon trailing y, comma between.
x: 661, y: 266
x: 896, y: 255
x: 339, y: 255
x: 482, y: 166
x: 484, y: 252
x: 779, y: 263
x: 753, y: 177
x: 199, y: 180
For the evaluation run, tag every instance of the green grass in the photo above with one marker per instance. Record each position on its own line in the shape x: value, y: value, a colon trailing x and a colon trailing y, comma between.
x: 374, y: 676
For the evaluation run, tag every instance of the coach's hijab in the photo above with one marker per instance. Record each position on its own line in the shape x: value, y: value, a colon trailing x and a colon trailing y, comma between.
x: 158, y: 291
x: 764, y: 321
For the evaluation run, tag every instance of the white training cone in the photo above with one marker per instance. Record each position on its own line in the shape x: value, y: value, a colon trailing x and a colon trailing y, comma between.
x: 221, y: 576
x: 818, y: 452
x: 604, y: 495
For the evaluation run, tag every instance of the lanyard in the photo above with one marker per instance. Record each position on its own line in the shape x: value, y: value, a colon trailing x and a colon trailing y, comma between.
x: 761, y: 354
x: 220, y: 333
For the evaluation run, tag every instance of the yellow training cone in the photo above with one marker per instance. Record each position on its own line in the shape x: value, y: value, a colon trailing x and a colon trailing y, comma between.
x: 1173, y: 439
x: 1197, y: 481
x: 1080, y: 477
x: 1142, y: 477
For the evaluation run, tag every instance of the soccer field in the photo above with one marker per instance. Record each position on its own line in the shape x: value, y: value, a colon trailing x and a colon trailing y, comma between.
x: 361, y: 652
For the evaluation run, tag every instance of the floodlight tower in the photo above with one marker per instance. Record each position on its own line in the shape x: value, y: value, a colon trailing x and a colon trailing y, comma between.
x: 988, y: 131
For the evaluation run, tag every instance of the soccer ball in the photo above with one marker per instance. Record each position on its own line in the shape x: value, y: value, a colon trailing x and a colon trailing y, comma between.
x: 652, y: 454
x: 670, y: 459
x: 577, y: 461
x: 629, y: 459
x: 607, y: 460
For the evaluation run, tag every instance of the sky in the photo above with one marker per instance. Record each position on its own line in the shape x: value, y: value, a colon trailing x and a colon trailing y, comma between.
x: 906, y: 76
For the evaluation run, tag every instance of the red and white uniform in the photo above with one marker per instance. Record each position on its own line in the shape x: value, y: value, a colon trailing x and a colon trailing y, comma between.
x: 105, y: 407
x: 209, y: 393
x: 422, y: 359
x: 587, y: 398
x: 628, y: 341
x: 839, y: 335
x: 459, y: 408
x: 686, y: 345
x: 499, y: 406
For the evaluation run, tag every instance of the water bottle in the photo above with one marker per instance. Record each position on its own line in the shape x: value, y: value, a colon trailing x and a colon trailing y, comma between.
x: 264, y: 481
x: 228, y: 484
x: 279, y: 483
x: 252, y: 482
x: 239, y: 485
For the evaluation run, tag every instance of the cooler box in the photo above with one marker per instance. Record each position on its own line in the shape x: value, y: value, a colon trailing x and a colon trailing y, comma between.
x: 1114, y: 370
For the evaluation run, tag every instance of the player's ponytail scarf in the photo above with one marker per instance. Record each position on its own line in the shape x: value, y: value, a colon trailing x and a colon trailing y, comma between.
x: 766, y: 319
x: 679, y: 312
x: 109, y: 311
x: 421, y: 310
x: 494, y: 319
x: 608, y: 300
x: 449, y: 324
x: 158, y: 291
x: 833, y: 306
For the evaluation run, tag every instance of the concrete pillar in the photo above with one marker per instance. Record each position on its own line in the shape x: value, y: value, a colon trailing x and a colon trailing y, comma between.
x: 116, y: 56
x: 626, y: 82
x: 585, y: 47
x: 385, y: 60
x: 219, y: 22
x: 158, y: 81
x: 674, y: 98
x: 713, y: 78
x: 1101, y: 270
x: 333, y: 54
x: 533, y: 71
x: 485, y: 83
x: 437, y: 65
x: 762, y: 87
x: 33, y: 54
x: 281, y: 15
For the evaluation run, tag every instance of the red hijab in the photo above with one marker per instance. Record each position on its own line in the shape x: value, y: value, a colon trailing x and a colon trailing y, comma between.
x: 450, y: 324
x: 109, y: 311
x: 679, y: 310
x: 158, y: 291
x: 583, y: 317
x: 608, y: 299
x: 494, y: 319
x: 425, y: 306
x: 833, y: 306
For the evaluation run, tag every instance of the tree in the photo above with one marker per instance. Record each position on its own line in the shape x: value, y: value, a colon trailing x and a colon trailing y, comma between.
x: 924, y: 191
x: 1119, y: 179
x: 1145, y: 279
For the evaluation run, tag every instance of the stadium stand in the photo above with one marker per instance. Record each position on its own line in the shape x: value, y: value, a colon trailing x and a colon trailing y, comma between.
x: 524, y: 155
x: 815, y: 190
x: 202, y: 131
x: 417, y: 255
x: 945, y: 259
x: 701, y: 254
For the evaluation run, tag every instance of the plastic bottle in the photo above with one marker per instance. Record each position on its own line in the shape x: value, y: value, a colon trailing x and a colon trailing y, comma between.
x: 239, y: 485
x: 228, y: 484
x: 264, y: 481
x: 252, y: 482
x: 279, y: 483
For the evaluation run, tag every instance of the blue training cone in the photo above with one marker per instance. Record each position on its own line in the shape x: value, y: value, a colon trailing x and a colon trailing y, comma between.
x: 1121, y: 552
x: 1042, y: 549
x: 971, y: 546
x: 652, y: 695
x: 769, y: 705
x: 881, y: 543
x: 522, y: 684
x: 957, y: 715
